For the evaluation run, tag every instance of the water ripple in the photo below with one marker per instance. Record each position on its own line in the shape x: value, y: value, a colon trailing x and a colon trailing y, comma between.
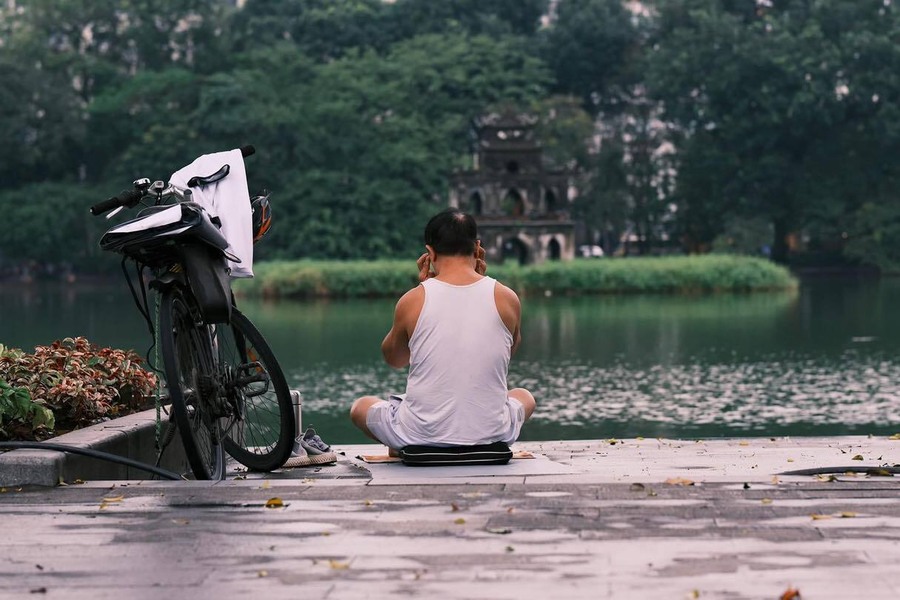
x: 788, y: 394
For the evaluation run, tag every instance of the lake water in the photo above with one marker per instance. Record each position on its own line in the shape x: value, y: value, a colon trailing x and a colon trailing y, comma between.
x: 818, y: 361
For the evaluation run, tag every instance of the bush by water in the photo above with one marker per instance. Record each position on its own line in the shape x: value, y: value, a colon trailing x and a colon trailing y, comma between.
x: 671, y: 274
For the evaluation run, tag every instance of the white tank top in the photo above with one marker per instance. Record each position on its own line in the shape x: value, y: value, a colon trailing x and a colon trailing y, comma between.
x: 456, y: 391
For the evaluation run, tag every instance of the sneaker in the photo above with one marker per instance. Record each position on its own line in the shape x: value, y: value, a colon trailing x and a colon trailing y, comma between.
x: 309, y: 449
x: 312, y: 443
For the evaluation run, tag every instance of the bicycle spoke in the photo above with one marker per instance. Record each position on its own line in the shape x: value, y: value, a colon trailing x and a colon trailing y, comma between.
x: 260, y: 435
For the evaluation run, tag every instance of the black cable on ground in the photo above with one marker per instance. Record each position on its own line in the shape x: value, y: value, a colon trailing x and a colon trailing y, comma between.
x: 98, y: 454
x: 882, y: 471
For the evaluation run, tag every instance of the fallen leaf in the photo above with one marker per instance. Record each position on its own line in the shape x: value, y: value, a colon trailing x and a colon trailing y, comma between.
x: 694, y: 594
x: 274, y: 503
x: 896, y: 436
x: 818, y: 517
x: 790, y: 594
x: 790, y: 460
x: 679, y: 481
x: 879, y: 472
x: 848, y: 514
x: 112, y: 500
x: 368, y: 503
x: 652, y: 493
x: 499, y: 530
x: 181, y: 521
x: 240, y: 477
x: 460, y: 521
x: 262, y: 573
x: 766, y: 501
x: 78, y: 481
x: 858, y: 457
x: 510, y: 549
x: 743, y: 443
x: 639, y: 438
x: 338, y: 565
x: 824, y: 477
x: 775, y: 480
x: 265, y: 485
x: 612, y: 441
x: 454, y: 507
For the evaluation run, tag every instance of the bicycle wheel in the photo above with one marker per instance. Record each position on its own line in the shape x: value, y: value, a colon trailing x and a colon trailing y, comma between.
x: 260, y: 432
x: 190, y: 378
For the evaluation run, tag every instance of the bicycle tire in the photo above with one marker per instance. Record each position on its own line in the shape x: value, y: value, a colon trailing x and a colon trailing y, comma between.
x: 187, y: 360
x: 261, y: 434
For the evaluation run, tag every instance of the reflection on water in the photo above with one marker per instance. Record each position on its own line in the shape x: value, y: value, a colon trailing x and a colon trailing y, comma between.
x: 822, y: 360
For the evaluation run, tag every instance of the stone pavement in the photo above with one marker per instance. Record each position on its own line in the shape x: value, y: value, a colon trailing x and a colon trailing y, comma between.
x: 608, y: 519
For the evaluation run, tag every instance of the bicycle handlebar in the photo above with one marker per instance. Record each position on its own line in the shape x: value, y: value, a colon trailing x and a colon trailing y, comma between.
x: 132, y: 197
x: 125, y: 198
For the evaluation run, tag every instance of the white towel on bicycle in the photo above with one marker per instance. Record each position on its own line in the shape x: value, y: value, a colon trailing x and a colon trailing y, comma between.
x: 228, y: 199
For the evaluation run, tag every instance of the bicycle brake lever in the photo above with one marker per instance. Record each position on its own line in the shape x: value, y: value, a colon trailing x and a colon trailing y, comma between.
x: 114, y: 212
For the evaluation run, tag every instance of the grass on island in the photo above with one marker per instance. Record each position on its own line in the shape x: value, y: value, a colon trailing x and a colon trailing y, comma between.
x: 670, y: 274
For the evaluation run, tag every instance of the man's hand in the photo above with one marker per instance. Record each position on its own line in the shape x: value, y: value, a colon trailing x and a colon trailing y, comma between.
x: 480, y: 262
x: 424, y: 264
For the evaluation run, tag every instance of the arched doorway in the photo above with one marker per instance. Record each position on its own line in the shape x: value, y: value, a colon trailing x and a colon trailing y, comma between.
x: 513, y: 205
x: 475, y: 204
x: 550, y: 201
x: 515, y: 249
x: 554, y: 250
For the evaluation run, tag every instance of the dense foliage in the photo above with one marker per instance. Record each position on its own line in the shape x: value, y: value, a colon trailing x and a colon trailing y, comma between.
x: 688, y: 118
x: 69, y: 384
x: 392, y: 278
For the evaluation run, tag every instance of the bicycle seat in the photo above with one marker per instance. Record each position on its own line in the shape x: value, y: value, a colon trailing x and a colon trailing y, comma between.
x: 198, y: 181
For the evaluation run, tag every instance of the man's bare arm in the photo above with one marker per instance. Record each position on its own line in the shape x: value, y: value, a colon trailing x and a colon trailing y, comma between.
x: 395, y: 346
x: 510, y: 309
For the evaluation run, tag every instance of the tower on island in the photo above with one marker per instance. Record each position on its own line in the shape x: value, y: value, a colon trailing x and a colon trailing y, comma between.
x: 522, y: 207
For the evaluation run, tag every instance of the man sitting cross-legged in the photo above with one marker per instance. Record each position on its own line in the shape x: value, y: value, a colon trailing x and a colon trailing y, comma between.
x: 456, y: 331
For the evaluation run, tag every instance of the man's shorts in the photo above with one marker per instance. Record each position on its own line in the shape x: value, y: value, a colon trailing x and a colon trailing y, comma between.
x: 382, y: 422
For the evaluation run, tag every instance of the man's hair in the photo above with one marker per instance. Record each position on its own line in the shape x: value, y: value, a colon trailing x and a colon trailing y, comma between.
x: 452, y: 233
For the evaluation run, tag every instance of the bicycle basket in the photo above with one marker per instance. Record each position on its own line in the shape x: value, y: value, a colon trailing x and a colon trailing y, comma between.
x: 151, y: 238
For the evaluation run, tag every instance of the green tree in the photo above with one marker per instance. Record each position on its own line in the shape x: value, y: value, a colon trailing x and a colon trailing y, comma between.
x: 39, y: 116
x: 323, y: 30
x: 52, y: 224
x: 381, y: 132
x: 589, y: 47
x: 798, y: 99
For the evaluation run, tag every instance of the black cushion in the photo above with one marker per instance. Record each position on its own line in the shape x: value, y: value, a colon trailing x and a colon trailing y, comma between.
x: 497, y: 453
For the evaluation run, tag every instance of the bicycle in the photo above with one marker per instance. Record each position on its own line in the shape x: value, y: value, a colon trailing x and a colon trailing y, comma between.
x: 226, y: 388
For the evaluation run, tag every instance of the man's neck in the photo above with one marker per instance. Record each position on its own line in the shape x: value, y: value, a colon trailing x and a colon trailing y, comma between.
x: 456, y: 270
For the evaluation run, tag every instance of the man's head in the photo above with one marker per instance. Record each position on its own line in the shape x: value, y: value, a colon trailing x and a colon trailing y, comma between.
x: 451, y: 233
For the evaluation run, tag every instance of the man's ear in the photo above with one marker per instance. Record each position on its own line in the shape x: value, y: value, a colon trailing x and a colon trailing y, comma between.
x: 432, y: 255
